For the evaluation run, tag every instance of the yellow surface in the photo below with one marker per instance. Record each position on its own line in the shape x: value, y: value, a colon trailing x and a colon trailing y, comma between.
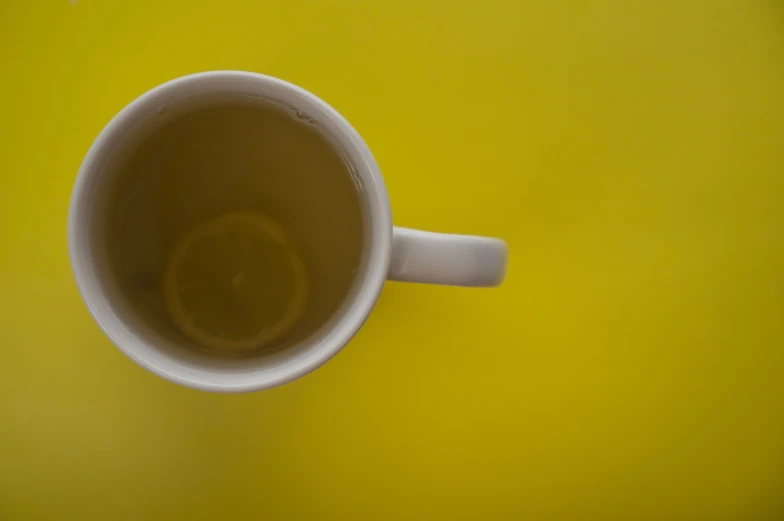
x: 632, y: 366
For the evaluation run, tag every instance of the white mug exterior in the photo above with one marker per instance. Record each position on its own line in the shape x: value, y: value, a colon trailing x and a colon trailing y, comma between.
x: 397, y: 254
x: 443, y: 258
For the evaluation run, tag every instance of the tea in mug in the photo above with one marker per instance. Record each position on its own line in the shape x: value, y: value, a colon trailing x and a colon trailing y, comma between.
x: 234, y: 224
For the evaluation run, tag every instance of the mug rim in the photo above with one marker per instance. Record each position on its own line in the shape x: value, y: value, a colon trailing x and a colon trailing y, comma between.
x: 324, y: 347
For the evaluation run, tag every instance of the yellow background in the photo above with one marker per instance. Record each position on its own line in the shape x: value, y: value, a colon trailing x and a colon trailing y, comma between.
x: 631, y: 367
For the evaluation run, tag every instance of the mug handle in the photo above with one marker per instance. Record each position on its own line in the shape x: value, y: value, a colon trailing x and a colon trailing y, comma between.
x: 442, y: 258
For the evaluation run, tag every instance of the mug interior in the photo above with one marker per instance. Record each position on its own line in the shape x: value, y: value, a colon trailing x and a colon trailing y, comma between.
x: 155, y: 344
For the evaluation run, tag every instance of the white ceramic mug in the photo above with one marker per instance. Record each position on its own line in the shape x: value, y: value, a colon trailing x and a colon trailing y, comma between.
x: 388, y: 252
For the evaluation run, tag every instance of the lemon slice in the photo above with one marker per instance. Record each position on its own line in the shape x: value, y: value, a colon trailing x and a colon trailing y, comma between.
x: 236, y: 283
